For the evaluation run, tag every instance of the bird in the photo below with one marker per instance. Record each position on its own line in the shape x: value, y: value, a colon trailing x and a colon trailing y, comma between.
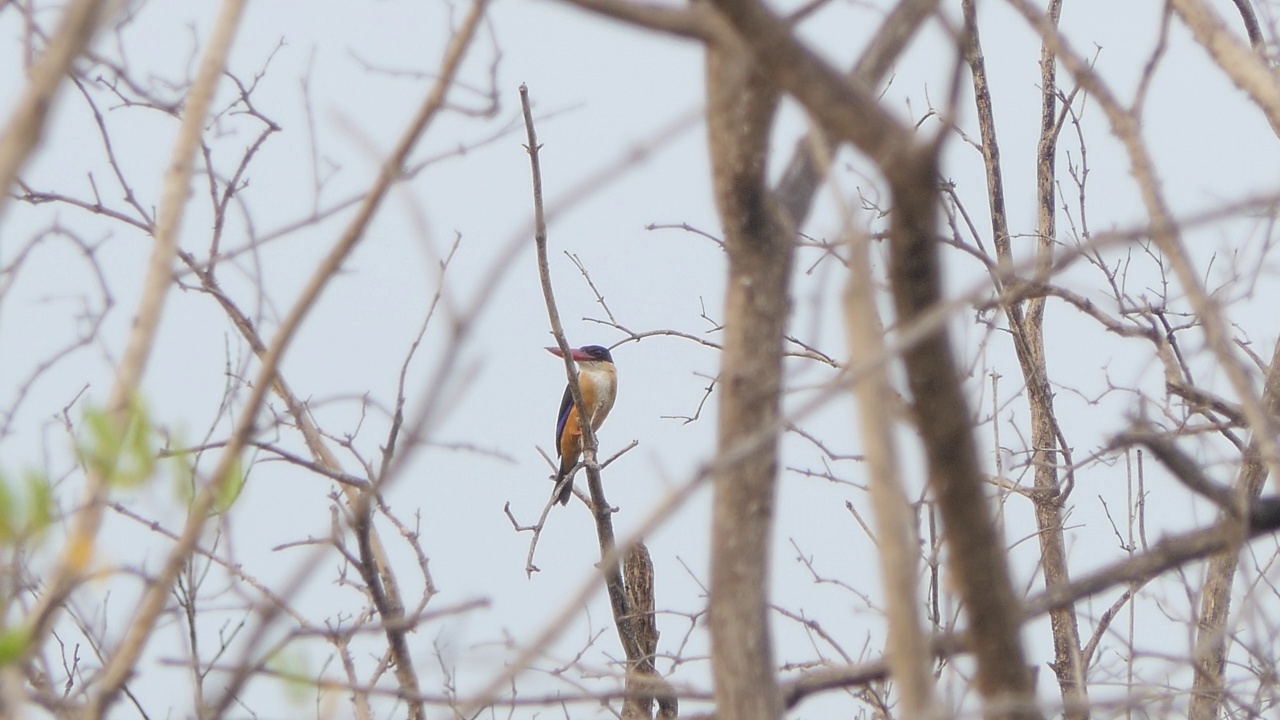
x: 598, y: 380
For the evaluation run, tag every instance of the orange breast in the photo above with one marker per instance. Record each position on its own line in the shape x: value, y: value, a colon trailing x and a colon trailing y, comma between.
x: 598, y: 392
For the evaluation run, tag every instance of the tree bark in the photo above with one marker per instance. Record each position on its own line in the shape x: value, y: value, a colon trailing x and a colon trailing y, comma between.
x: 908, y: 650
x: 1027, y: 331
x: 1215, y: 599
x: 740, y: 109
x: 977, y: 557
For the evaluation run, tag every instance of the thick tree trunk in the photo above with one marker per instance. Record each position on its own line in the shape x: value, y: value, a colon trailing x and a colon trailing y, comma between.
x: 740, y: 110
x: 977, y: 555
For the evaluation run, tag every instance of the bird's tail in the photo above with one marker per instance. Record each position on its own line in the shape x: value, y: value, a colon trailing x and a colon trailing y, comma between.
x: 566, y: 491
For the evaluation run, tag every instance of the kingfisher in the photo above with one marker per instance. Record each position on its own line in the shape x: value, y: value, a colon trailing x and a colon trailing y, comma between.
x: 598, y: 380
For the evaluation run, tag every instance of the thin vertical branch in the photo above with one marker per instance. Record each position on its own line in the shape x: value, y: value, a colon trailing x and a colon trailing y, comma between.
x: 987, y: 131
x: 629, y: 624
x: 1046, y: 434
x: 909, y: 656
x: 1027, y: 331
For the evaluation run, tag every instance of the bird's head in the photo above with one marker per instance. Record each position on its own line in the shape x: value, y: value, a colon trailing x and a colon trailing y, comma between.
x: 587, y: 353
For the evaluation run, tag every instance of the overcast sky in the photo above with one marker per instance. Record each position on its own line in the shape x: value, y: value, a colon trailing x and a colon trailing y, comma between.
x: 601, y: 92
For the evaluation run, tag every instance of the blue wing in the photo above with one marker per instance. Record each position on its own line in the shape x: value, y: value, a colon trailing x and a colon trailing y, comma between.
x: 566, y: 404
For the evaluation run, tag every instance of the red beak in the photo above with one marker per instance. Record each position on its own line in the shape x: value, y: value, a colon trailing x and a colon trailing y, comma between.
x: 574, y: 353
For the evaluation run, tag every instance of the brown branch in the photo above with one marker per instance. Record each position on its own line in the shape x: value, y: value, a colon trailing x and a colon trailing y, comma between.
x: 1165, y: 232
x: 1027, y: 331
x: 851, y: 113
x: 1210, y: 654
x: 897, y: 541
x: 26, y: 126
x: 36, y: 198
x: 741, y: 101
x: 1103, y: 625
x: 625, y: 620
x: 692, y: 21
x: 987, y: 131
x: 129, y: 370
x: 1204, y: 401
x: 1165, y: 555
x: 152, y: 603
x: 808, y: 165
x: 977, y: 554
x: 845, y: 110
x: 839, y: 678
x: 1251, y: 27
x: 644, y: 684
x: 1183, y: 468
x: 1246, y: 67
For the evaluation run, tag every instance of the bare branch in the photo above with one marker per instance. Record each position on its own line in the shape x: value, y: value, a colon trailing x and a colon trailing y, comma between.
x: 27, y: 124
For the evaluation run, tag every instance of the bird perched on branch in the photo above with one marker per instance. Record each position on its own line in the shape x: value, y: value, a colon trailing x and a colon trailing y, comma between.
x: 598, y: 381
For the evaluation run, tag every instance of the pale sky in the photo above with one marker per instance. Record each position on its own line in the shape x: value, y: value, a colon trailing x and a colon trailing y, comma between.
x: 601, y: 91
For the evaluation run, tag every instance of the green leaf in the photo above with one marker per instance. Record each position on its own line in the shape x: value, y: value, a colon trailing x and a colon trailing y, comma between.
x: 8, y: 513
x: 25, y: 510
x: 229, y: 486
x: 117, y: 446
x: 292, y: 664
x: 13, y: 644
x: 39, y: 505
